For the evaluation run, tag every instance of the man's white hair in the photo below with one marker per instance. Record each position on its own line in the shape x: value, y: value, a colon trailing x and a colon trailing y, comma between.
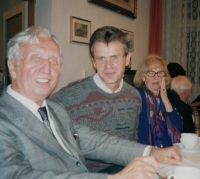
x: 181, y: 83
x: 28, y: 36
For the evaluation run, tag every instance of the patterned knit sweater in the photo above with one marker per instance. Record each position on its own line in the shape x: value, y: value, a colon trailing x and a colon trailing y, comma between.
x: 115, y: 113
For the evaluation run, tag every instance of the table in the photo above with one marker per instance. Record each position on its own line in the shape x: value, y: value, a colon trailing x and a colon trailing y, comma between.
x: 189, y: 159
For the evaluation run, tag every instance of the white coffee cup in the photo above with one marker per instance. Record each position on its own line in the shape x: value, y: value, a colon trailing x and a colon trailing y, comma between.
x: 185, y: 172
x: 189, y: 140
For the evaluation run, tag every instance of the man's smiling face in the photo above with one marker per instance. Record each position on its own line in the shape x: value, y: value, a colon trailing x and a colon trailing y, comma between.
x: 37, y: 70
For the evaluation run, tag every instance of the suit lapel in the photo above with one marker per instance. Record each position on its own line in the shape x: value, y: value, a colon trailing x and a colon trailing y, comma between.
x: 28, y: 123
x: 64, y: 134
x: 35, y: 128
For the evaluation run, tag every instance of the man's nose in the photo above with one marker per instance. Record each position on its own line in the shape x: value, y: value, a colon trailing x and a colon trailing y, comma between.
x: 108, y: 63
x: 46, y: 66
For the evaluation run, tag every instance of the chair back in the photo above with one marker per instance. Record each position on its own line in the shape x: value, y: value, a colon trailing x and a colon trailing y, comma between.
x: 196, y: 113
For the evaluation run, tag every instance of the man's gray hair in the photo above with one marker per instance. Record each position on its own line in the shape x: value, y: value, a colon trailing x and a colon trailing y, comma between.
x: 30, y: 35
x: 181, y: 83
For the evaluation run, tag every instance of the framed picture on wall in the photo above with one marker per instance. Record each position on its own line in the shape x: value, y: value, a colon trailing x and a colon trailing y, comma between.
x: 125, y: 7
x: 130, y: 36
x: 80, y: 30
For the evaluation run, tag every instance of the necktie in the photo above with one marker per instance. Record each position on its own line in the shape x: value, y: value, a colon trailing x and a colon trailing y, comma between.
x: 43, y: 113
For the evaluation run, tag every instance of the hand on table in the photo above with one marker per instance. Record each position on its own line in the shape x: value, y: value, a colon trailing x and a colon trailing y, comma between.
x: 170, y: 156
x: 140, y: 167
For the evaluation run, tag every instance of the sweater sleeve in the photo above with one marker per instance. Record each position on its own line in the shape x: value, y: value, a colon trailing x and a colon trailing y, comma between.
x: 176, y: 119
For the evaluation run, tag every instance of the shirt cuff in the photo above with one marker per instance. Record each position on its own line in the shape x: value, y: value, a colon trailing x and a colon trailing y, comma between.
x: 147, y: 150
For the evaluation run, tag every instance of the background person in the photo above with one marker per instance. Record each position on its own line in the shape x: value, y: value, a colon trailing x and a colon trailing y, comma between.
x: 159, y: 123
x: 175, y: 69
x: 179, y: 95
x: 32, y: 149
x: 104, y: 101
x: 181, y: 89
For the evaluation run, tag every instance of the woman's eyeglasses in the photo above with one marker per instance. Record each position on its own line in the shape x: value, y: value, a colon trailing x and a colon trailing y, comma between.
x: 153, y: 73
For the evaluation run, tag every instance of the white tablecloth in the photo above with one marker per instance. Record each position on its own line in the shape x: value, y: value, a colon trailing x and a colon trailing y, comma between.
x: 189, y: 159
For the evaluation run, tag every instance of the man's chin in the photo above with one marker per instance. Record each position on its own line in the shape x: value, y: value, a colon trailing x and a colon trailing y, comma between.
x: 43, y: 95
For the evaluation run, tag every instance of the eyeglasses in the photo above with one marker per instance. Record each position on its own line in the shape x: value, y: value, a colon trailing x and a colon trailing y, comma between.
x: 115, y: 59
x: 153, y: 73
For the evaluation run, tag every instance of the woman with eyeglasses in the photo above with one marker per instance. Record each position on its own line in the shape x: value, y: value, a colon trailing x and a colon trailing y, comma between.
x: 159, y: 123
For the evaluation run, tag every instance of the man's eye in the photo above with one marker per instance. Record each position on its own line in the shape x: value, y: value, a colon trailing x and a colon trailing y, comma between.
x: 35, y: 58
x: 101, y: 58
x: 53, y: 61
x: 114, y: 57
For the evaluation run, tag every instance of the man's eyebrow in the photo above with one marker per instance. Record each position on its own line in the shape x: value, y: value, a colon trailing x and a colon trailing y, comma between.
x: 35, y: 51
x: 56, y: 55
x: 41, y: 51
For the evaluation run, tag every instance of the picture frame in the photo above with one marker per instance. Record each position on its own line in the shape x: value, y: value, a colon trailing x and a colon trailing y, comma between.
x: 125, y: 7
x: 80, y: 30
x: 130, y: 36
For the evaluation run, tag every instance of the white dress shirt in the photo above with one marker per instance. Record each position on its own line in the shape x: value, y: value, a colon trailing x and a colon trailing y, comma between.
x: 99, y: 83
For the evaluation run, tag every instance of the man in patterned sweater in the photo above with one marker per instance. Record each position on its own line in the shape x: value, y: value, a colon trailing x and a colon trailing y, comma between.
x: 104, y: 101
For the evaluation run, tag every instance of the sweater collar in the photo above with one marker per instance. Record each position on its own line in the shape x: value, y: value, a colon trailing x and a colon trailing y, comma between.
x: 99, y: 83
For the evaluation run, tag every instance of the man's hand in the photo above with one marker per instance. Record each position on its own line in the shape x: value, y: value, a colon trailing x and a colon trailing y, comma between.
x: 141, y: 167
x: 170, y: 156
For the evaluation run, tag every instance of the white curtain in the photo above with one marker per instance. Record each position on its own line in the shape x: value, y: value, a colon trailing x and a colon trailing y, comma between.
x: 181, y: 37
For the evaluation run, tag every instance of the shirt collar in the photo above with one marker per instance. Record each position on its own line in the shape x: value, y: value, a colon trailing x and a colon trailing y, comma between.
x: 100, y: 84
x: 33, y: 107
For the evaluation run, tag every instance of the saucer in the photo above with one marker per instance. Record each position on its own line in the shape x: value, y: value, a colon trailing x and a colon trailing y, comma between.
x: 181, y: 148
x: 165, y: 171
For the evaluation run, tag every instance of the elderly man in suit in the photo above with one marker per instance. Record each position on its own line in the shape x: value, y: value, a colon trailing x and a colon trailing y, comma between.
x: 37, y: 138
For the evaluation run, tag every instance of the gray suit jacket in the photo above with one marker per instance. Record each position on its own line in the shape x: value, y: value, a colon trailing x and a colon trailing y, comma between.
x: 29, y: 150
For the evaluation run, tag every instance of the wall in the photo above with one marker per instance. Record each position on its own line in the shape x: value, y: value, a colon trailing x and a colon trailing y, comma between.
x: 76, y: 59
x: 43, y: 13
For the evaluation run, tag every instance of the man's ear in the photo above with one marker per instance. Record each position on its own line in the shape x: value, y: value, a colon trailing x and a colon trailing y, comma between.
x: 128, y: 58
x: 94, y: 63
x: 12, y: 68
